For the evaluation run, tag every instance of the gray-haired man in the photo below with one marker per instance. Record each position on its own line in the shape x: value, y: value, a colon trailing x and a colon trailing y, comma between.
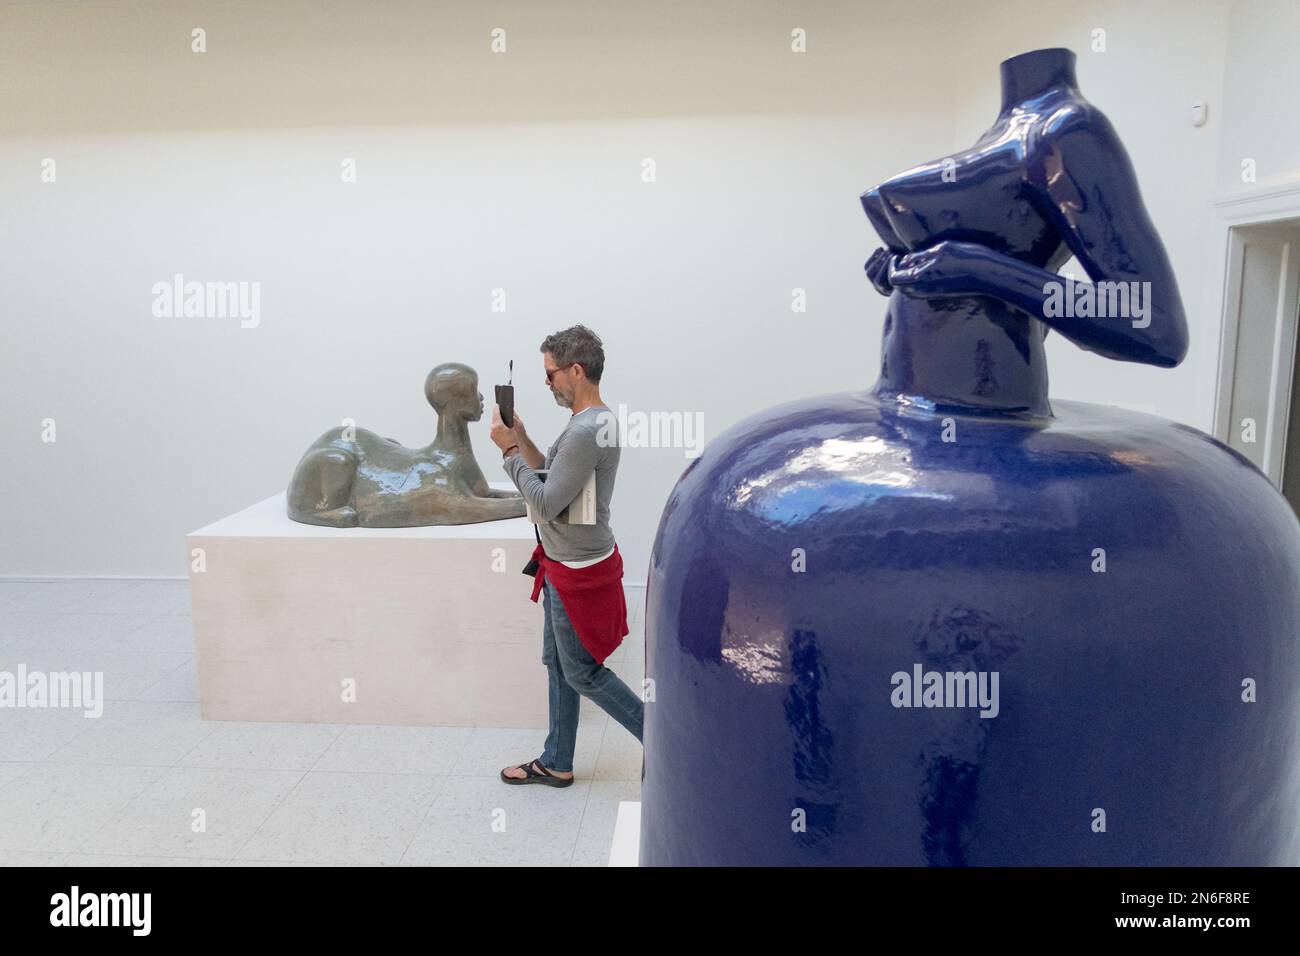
x: 581, y: 569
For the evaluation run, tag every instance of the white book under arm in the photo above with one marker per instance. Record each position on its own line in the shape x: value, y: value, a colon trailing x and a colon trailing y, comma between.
x: 581, y: 511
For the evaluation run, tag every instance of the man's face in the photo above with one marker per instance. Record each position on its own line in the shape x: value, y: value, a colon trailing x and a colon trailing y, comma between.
x: 559, y: 381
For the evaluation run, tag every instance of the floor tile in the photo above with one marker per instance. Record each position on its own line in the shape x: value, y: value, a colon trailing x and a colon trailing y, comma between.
x: 61, y: 596
x: 37, y: 734
x: 245, y: 745
x: 139, y: 733
x: 181, y: 685
x: 371, y: 748
x: 596, y: 834
x: 59, y: 808
x: 480, y: 821
x: 620, y: 755
x: 345, y: 818
x: 162, y: 819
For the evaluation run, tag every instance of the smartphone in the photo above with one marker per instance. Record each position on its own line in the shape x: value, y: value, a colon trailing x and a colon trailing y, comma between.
x: 506, y: 402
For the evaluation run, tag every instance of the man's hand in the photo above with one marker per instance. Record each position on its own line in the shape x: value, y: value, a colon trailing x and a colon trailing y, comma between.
x: 504, y: 437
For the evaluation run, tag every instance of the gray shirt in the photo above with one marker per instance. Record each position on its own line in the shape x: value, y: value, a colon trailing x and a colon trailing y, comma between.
x: 589, y: 442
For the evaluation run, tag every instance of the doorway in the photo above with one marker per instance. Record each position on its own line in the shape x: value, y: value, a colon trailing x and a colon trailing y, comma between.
x: 1258, y: 405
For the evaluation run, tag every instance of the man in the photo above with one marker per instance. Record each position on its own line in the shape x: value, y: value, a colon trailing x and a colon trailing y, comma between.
x: 580, y: 571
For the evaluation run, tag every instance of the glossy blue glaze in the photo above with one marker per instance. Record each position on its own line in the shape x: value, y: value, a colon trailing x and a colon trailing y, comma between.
x: 951, y: 517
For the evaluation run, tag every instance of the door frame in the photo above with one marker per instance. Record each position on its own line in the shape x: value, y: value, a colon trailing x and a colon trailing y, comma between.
x: 1270, y: 205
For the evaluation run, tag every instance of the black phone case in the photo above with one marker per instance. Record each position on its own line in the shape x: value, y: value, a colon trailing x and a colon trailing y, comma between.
x: 506, y: 402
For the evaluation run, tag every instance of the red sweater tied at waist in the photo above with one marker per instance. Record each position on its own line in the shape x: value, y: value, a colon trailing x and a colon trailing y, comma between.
x: 593, y: 598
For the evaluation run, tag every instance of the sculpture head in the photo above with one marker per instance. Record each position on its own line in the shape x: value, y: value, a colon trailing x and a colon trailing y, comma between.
x: 452, y: 390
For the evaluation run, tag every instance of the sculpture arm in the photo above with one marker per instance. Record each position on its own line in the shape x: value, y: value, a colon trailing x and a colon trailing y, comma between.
x: 492, y: 508
x: 1089, y: 192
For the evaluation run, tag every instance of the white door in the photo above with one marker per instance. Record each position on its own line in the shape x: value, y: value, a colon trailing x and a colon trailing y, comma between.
x: 1257, y: 376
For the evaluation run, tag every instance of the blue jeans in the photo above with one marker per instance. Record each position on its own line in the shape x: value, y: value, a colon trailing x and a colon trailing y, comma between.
x: 574, y: 671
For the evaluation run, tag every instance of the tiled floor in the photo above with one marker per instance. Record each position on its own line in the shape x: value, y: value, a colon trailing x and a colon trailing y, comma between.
x: 151, y: 783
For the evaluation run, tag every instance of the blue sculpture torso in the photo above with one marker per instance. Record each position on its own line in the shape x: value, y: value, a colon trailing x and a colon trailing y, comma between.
x: 1128, y: 580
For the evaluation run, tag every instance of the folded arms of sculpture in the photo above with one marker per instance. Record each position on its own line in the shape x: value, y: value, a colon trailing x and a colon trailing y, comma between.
x: 1057, y: 162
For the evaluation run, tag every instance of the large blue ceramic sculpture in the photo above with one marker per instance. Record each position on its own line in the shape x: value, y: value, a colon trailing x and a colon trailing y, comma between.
x: 945, y: 622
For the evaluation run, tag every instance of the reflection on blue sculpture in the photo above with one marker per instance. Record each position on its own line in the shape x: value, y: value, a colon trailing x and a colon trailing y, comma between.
x: 836, y: 580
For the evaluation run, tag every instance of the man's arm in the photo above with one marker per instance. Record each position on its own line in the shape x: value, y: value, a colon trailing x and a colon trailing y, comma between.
x: 528, y: 451
x: 575, y: 460
x: 532, y: 456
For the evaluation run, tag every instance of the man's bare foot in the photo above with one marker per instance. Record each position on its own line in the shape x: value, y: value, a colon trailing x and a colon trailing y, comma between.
x: 517, y: 773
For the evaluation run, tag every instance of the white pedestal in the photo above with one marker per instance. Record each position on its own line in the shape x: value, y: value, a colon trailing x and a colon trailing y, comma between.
x: 626, y: 849
x: 430, y: 626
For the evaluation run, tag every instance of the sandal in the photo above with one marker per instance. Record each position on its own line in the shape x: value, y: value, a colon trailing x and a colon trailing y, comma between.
x: 545, y: 777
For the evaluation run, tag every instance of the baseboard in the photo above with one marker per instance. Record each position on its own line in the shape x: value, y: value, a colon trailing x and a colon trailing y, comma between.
x: 58, y: 578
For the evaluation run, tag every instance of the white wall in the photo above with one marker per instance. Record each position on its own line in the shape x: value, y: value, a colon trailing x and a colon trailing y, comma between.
x: 477, y: 171
x: 1261, y: 108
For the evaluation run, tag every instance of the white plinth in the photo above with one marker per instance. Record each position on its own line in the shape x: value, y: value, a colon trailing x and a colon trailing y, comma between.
x: 431, y: 626
x: 626, y: 849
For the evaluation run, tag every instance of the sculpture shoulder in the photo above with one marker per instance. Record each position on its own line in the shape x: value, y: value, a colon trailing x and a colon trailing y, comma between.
x: 1076, y: 149
x: 1074, y: 119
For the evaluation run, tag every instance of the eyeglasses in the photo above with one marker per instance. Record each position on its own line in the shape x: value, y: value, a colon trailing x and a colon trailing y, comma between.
x: 550, y: 372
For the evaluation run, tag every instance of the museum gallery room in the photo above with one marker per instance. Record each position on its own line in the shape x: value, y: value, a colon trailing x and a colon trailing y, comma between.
x: 661, y: 434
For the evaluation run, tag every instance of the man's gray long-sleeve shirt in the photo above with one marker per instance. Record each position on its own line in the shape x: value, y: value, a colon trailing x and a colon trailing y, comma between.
x: 589, y: 442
